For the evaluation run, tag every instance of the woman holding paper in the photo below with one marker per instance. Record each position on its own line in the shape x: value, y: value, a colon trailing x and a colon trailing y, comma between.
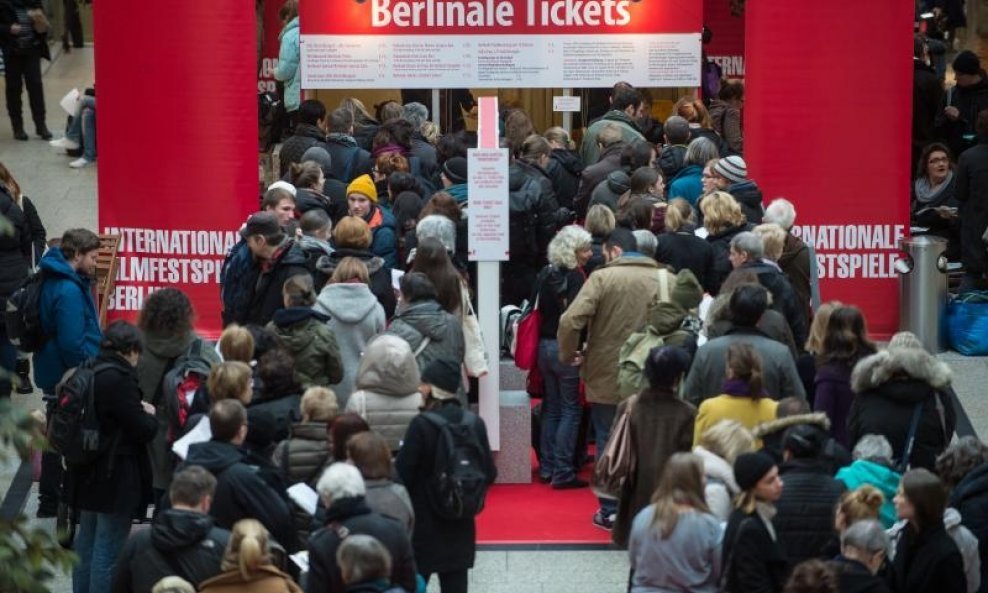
x: 934, y: 204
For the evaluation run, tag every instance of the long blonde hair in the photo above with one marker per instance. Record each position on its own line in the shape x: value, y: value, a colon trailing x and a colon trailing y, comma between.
x: 248, y: 548
x: 681, y: 485
x: 818, y: 328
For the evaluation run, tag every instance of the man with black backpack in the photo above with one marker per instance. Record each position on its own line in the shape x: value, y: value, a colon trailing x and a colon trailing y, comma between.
x: 533, y: 217
x: 446, y: 464
x: 69, y: 324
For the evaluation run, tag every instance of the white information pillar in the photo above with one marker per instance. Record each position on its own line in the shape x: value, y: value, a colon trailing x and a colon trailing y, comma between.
x: 487, y: 168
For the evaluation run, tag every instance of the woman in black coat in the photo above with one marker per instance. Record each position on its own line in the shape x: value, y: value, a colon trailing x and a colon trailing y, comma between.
x: 116, y: 487
x: 890, y: 386
x: 15, y: 263
x: 680, y: 248
x: 443, y: 546
x: 926, y: 557
x: 754, y: 559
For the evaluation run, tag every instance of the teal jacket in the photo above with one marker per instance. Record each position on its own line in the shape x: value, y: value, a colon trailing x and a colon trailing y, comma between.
x: 68, y: 318
x: 288, y: 65
x: 874, y: 474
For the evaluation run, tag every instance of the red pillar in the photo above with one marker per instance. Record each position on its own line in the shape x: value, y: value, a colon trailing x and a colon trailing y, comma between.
x: 177, y: 150
x: 827, y: 125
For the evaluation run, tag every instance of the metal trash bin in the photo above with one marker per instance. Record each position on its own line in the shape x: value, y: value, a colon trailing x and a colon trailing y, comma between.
x: 923, y: 289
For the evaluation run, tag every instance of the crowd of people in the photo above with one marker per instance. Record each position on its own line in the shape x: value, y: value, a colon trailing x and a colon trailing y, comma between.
x: 774, y: 446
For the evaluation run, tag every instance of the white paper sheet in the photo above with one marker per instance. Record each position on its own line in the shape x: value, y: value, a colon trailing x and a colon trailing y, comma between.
x: 70, y: 102
x: 301, y: 559
x: 200, y: 434
x: 305, y: 497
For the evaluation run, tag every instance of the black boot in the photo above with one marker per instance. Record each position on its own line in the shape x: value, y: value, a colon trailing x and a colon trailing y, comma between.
x: 19, y: 133
x: 23, y: 371
x: 43, y: 132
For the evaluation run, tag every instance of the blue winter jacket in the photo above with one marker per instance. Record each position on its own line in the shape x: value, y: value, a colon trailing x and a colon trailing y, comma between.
x: 687, y: 184
x: 68, y: 318
x: 288, y: 65
x: 385, y: 241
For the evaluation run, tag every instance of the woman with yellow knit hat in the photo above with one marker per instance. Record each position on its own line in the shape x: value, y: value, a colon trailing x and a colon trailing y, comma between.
x: 361, y: 197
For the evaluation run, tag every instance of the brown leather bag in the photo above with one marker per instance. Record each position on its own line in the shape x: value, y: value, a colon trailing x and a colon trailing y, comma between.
x: 617, y: 460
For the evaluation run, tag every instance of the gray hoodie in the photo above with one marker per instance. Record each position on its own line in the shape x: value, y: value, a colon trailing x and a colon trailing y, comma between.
x: 355, y: 317
x: 426, y: 319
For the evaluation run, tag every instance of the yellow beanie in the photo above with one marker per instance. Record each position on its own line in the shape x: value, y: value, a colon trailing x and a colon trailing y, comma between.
x: 363, y: 185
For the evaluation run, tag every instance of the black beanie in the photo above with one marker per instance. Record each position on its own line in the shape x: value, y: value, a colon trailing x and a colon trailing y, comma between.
x: 967, y: 62
x: 750, y: 468
x: 456, y: 169
x: 444, y: 374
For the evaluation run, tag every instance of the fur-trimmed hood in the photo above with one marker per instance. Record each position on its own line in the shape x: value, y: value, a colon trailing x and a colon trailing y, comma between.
x: 899, y: 363
x: 773, y: 426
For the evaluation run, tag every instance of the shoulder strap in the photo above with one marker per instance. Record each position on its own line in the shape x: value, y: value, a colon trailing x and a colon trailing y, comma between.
x: 907, y: 452
x: 663, y: 290
x: 941, y: 414
x: 422, y: 346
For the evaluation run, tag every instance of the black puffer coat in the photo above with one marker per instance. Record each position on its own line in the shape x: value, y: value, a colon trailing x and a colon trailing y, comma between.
x: 805, y: 522
x: 889, y: 385
x: 180, y: 543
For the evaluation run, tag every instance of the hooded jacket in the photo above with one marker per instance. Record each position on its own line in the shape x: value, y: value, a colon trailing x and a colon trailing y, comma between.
x: 772, y: 432
x: 387, y: 395
x: 289, y: 61
x: 305, y: 335
x: 427, y: 320
x: 720, y: 488
x: 609, y: 191
x: 970, y: 498
x: 593, y: 174
x: 68, y: 318
x: 351, y: 515
x: 749, y: 196
x: 355, y: 316
x: 565, y: 170
x: 687, y: 184
x: 158, y: 357
x: 241, y: 492
x: 590, y: 150
x: 890, y: 384
x: 886, y: 479
x: 380, y: 275
x: 180, y: 543
x: 671, y: 159
x: 348, y: 159
x: 304, y: 137
x: 384, y: 230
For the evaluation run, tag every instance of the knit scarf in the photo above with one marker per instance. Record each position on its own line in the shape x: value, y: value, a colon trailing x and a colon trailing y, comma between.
x: 925, y: 193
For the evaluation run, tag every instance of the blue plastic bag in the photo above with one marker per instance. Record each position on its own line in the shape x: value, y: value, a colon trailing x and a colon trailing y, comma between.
x: 967, y: 323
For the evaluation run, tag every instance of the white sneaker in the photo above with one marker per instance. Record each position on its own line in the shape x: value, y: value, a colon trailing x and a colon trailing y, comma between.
x: 64, y: 143
x: 79, y: 163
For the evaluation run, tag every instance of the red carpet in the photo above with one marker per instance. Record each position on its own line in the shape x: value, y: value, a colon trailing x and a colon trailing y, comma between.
x: 537, y: 514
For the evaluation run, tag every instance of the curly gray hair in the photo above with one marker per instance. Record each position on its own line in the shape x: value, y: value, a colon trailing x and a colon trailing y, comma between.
x: 563, y: 247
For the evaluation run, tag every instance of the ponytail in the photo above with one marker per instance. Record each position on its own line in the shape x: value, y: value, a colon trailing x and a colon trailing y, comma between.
x: 677, y: 214
x: 299, y: 291
x: 247, y: 549
x: 251, y: 555
x: 744, y: 362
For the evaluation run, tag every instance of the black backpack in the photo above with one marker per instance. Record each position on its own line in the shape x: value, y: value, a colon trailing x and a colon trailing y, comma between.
x: 523, y: 220
x: 181, y: 384
x: 22, y: 315
x: 74, y: 431
x: 458, y: 486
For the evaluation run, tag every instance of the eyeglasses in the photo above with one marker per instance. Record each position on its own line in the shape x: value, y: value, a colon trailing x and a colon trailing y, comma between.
x: 939, y: 159
x: 709, y: 176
